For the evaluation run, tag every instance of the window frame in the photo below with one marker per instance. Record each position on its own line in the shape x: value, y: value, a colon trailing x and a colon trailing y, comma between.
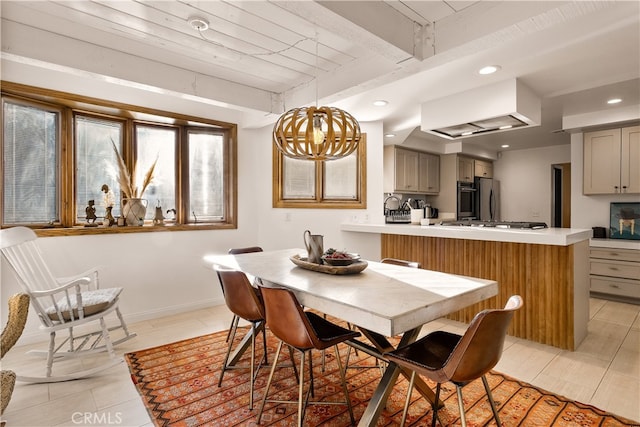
x: 70, y: 105
x: 319, y: 201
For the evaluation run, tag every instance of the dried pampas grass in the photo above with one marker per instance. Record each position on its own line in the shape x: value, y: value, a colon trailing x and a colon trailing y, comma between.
x: 127, y: 180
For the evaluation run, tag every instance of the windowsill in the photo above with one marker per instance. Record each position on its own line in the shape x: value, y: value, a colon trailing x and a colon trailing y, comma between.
x: 82, y: 231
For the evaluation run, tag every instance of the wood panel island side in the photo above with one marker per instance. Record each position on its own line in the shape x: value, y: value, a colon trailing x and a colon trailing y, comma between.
x: 548, y: 268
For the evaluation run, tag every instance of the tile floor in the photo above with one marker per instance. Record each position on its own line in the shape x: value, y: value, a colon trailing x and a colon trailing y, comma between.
x: 604, y: 371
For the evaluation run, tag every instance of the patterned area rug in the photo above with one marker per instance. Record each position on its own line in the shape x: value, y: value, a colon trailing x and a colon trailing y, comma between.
x: 178, y: 383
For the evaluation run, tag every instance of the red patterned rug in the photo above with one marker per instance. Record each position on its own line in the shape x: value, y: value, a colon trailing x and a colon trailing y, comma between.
x: 178, y: 383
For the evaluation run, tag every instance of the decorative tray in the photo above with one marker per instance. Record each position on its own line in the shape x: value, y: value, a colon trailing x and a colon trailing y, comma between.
x: 354, y: 268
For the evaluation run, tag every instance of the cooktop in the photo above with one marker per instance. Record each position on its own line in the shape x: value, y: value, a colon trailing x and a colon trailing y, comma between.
x: 498, y: 224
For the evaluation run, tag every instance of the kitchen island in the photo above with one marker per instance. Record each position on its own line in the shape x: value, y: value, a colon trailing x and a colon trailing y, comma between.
x: 549, y: 268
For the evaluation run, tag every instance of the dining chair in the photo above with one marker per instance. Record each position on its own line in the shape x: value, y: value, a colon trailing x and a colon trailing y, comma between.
x: 235, y: 251
x: 444, y: 356
x: 245, y: 302
x: 63, y: 304
x: 304, y: 331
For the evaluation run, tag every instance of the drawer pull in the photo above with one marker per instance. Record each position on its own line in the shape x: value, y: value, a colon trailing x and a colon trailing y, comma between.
x: 613, y: 268
x: 614, y: 286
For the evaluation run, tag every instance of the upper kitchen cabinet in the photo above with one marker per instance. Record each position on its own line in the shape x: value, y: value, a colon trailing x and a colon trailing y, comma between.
x: 611, y: 161
x: 483, y: 169
x: 466, y: 168
x: 429, y: 173
x: 409, y: 171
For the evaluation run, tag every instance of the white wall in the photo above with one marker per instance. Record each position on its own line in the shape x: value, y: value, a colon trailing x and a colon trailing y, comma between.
x: 163, y: 273
x: 525, y: 182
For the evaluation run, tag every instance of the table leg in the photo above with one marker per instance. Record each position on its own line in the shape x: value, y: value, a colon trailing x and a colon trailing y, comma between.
x: 244, y: 344
x: 384, y: 388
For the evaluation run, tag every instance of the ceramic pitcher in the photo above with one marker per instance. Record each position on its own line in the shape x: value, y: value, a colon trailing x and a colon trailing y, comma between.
x: 313, y: 243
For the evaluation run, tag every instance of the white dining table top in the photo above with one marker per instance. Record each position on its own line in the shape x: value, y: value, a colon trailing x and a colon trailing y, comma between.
x: 384, y: 298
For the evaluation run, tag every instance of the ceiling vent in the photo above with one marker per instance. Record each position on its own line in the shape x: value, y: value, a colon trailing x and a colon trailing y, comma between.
x: 495, y: 108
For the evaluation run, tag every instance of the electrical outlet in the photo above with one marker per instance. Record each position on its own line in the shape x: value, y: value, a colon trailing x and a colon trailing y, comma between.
x: 535, y: 214
x: 287, y: 217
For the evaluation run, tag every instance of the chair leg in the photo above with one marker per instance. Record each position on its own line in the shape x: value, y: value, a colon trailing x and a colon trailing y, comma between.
x: 233, y: 320
x: 408, y: 399
x: 463, y: 419
x: 434, y: 406
x: 50, y: 354
x: 293, y: 363
x: 107, y: 338
x: 344, y: 384
x: 264, y: 343
x: 226, y: 357
x: 253, y: 361
x: 301, y: 389
x: 493, y: 404
x: 311, y: 375
x: 266, y: 390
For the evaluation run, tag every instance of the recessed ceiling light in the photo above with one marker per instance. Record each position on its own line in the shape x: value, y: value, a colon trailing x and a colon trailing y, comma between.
x: 380, y: 103
x: 389, y: 135
x: 489, y: 69
x: 504, y: 146
x: 614, y: 101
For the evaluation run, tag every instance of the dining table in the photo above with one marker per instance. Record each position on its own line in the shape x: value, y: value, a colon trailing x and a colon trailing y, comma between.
x: 382, y: 300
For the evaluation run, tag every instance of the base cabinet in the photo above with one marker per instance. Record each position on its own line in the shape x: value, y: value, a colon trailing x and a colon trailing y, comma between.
x: 615, y: 273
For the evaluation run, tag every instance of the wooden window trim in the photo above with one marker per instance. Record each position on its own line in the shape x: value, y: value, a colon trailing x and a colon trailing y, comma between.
x: 278, y: 187
x: 69, y: 104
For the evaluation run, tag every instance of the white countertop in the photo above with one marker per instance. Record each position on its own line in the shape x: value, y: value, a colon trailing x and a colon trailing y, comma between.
x: 546, y: 236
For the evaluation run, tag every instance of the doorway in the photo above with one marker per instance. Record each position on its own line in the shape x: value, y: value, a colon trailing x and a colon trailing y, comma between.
x: 561, y: 195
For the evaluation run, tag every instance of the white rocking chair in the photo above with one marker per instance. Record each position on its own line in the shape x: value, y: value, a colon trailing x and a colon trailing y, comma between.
x: 63, y: 303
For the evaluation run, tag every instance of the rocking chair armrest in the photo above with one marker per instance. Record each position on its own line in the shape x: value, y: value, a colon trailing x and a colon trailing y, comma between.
x: 73, y: 283
x: 91, y: 274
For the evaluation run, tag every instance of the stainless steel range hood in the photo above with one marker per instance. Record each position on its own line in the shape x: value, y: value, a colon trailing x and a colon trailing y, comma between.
x: 495, y: 108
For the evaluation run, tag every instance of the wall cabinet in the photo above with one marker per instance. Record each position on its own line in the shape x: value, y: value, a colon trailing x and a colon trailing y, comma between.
x: 612, y: 161
x: 429, y: 173
x: 483, y: 169
x: 466, y: 168
x: 615, y: 273
x: 410, y: 171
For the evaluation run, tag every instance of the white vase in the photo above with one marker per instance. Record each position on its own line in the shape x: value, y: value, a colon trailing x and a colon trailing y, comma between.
x: 134, y: 211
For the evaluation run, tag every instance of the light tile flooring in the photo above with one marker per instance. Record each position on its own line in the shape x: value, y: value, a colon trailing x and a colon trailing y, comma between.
x: 604, y: 371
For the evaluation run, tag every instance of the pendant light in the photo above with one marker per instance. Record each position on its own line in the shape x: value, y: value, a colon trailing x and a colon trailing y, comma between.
x: 316, y: 133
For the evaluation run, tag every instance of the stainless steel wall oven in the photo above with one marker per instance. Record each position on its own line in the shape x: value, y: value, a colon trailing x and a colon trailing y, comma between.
x: 466, y: 201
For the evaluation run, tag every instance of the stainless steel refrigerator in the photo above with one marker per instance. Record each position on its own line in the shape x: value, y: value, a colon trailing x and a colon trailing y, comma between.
x: 487, y: 199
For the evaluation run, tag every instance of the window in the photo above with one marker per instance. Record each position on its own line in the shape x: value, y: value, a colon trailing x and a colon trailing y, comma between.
x: 60, y: 167
x: 339, y: 184
x: 30, y: 158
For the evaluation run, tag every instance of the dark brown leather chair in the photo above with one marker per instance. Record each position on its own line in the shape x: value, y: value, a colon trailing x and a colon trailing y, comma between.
x: 443, y: 356
x: 304, y: 331
x: 245, y: 302
x: 235, y: 251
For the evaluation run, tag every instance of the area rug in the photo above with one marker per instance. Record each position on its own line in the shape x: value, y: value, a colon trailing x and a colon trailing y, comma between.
x: 178, y: 383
